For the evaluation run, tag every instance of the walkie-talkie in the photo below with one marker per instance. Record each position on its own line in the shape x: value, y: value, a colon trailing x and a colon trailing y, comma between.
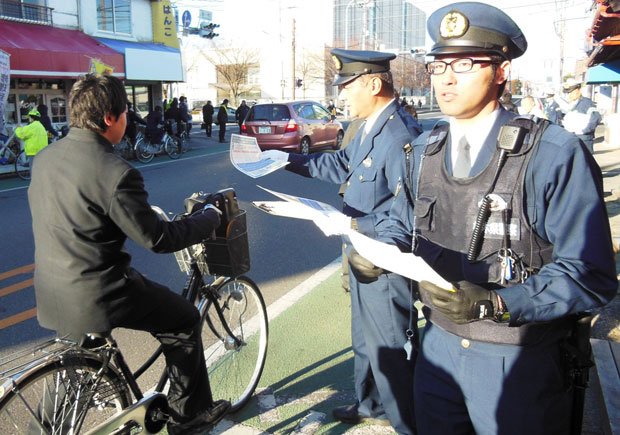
x: 509, y: 141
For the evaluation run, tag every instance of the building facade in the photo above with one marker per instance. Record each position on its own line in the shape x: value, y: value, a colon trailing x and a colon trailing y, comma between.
x: 51, y: 43
x: 392, y: 25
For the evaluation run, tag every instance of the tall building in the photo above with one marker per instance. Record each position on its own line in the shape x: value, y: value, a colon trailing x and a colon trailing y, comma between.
x: 393, y: 25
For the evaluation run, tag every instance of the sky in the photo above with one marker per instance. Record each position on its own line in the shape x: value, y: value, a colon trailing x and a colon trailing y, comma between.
x: 270, y: 22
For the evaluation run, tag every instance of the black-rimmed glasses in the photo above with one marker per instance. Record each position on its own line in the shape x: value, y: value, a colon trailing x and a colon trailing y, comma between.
x: 462, y: 65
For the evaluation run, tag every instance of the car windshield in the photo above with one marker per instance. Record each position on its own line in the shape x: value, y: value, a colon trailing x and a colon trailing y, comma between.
x: 269, y: 112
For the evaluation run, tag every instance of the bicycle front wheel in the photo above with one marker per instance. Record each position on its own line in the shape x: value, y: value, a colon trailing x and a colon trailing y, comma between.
x: 66, y: 396
x: 143, y: 152
x: 235, y: 362
x: 22, y: 166
x: 173, y: 147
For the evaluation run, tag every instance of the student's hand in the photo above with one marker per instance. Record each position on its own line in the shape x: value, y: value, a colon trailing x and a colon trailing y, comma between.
x: 363, y: 270
x: 275, y: 155
x: 465, y: 303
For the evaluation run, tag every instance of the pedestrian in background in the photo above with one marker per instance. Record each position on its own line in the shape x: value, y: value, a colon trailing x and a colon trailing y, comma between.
x: 47, y: 123
x: 241, y: 112
x: 171, y: 115
x: 581, y: 116
x: 497, y: 351
x: 184, y: 119
x: 383, y: 338
x: 154, y: 120
x: 207, y: 117
x: 506, y: 101
x: 222, y: 119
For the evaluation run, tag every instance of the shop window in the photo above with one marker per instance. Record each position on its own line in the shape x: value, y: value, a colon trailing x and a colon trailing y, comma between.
x: 10, y: 113
x: 58, y: 110
x: 29, y: 10
x: 27, y: 102
x: 114, y: 16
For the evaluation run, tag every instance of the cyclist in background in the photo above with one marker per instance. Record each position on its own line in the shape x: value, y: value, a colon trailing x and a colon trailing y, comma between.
x: 47, y: 123
x: 133, y: 119
x: 33, y: 134
x: 83, y: 279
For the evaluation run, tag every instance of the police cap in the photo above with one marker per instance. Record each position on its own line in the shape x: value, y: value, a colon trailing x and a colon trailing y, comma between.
x: 351, y: 64
x: 472, y: 27
x: 570, y: 85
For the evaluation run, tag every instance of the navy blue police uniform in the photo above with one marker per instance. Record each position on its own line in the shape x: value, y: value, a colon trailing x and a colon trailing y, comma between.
x: 545, y: 256
x: 581, y: 118
x: 373, y: 170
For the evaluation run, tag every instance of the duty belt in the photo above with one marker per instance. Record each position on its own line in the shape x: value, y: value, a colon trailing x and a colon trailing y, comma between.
x: 500, y: 333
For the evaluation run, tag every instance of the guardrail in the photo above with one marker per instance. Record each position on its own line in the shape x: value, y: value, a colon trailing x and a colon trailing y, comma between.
x: 25, y: 12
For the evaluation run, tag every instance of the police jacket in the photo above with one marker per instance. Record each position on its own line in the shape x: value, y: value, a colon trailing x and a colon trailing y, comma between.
x: 222, y: 115
x: 34, y: 136
x: 562, y: 205
x: 372, y: 168
x: 85, y: 202
x: 582, y: 118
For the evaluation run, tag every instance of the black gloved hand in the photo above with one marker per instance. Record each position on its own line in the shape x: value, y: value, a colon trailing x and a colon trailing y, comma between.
x: 466, y: 302
x: 211, y: 217
x: 363, y: 270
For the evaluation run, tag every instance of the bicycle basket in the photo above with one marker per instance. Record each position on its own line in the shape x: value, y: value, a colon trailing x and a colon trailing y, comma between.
x: 229, y: 253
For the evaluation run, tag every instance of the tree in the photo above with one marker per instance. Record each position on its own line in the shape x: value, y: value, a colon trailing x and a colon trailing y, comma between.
x: 310, y: 69
x: 234, y: 67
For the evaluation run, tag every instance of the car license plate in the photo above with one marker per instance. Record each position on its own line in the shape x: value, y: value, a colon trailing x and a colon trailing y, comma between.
x: 264, y: 130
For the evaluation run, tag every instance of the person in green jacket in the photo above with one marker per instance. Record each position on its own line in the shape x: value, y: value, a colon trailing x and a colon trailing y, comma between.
x: 34, y: 134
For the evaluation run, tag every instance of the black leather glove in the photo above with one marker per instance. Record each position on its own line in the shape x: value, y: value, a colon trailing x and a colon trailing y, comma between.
x: 466, y: 302
x: 363, y: 270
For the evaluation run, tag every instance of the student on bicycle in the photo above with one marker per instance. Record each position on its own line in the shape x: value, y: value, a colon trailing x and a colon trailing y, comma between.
x: 85, y: 203
x: 34, y: 134
x: 133, y: 119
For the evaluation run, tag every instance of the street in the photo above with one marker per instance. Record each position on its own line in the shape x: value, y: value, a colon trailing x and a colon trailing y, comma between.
x: 284, y: 251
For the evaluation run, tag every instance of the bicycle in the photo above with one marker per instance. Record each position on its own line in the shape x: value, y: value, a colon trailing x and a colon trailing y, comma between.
x: 126, y: 148
x: 11, y: 152
x: 71, y: 388
x: 145, y: 150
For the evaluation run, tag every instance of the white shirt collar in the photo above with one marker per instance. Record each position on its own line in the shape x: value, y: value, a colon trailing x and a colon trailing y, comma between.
x: 370, y: 121
x: 475, y: 134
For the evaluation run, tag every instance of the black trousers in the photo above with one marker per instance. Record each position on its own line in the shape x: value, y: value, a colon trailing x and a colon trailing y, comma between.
x: 175, y: 322
x: 222, y: 131
x: 208, y: 126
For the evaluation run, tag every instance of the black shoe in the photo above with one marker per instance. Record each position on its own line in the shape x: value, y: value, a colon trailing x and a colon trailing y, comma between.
x: 349, y: 414
x: 202, y: 422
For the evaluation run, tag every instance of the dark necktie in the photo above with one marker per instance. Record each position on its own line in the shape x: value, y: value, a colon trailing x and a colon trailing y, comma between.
x: 462, y: 165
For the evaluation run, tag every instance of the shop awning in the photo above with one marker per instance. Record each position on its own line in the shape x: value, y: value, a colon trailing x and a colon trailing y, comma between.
x: 148, y: 61
x: 45, y: 51
x: 604, y: 73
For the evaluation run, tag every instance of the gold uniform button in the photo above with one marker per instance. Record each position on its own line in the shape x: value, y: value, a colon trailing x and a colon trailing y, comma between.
x: 361, y: 177
x: 465, y: 343
x: 348, y: 183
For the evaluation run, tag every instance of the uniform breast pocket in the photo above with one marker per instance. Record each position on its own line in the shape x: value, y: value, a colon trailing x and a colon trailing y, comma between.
x: 364, y: 184
x: 424, y: 211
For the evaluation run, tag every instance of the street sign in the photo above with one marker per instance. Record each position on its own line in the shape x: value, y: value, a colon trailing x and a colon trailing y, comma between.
x: 186, y: 19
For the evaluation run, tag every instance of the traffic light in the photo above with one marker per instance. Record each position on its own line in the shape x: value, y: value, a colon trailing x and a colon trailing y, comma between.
x: 299, y: 82
x: 206, y: 31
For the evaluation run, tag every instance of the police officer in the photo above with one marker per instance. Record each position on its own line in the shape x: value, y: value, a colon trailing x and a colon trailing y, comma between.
x: 552, y: 109
x: 581, y: 115
x: 34, y: 134
x: 373, y: 170
x: 491, y: 358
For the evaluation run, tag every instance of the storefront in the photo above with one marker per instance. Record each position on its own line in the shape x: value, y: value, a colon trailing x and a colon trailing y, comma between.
x: 45, y: 62
x: 147, y: 67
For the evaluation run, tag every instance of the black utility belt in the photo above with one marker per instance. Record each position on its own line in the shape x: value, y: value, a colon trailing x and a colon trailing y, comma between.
x: 489, y: 331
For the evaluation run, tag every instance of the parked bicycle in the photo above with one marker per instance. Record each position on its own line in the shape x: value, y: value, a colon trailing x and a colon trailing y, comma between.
x: 126, y: 148
x: 146, y: 149
x: 11, y: 153
x: 65, y: 387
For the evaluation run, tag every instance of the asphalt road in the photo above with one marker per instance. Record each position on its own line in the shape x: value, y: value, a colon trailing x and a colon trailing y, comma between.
x: 284, y: 251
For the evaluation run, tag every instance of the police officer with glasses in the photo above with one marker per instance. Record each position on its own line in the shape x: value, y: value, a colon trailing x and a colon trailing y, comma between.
x: 509, y: 210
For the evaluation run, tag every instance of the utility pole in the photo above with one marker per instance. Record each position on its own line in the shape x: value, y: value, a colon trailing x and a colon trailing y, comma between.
x: 364, y: 24
x: 560, y: 27
x: 293, y: 78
